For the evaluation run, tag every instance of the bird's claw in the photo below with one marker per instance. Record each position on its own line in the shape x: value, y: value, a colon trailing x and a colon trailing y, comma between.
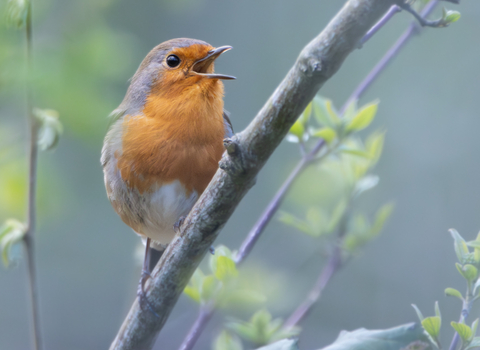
x: 211, y: 250
x: 178, y: 224
x: 142, y: 296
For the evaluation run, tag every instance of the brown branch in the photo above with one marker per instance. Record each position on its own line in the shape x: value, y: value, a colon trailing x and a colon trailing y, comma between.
x: 249, y: 151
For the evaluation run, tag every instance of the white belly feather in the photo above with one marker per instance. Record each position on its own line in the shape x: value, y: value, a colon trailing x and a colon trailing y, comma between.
x: 151, y: 214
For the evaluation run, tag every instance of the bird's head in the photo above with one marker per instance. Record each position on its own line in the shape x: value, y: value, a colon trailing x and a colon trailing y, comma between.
x: 172, y: 68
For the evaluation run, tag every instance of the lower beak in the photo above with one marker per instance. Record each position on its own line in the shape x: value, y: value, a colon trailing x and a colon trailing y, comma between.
x: 200, y: 67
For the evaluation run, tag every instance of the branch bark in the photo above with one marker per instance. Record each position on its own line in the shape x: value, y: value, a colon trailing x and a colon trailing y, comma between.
x: 246, y: 154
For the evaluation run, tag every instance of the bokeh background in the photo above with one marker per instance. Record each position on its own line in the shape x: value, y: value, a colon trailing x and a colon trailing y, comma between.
x: 85, y: 52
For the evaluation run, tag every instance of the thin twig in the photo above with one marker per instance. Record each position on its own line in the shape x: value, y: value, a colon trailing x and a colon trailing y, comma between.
x: 388, y: 16
x: 32, y: 187
x: 466, y: 307
x: 333, y: 264
x: 206, y: 313
x: 267, y: 215
x: 412, y: 29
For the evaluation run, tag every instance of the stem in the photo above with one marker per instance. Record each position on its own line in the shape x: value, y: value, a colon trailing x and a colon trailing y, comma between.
x: 393, y: 10
x: 32, y: 188
x: 267, y: 215
x: 388, y: 57
x: 206, y: 313
x: 333, y: 265
x: 466, y: 307
x: 334, y: 262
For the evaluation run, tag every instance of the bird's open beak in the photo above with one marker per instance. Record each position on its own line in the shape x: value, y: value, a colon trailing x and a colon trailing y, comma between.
x: 201, y: 66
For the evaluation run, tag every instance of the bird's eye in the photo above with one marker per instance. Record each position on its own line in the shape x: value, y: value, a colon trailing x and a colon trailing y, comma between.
x: 173, y: 61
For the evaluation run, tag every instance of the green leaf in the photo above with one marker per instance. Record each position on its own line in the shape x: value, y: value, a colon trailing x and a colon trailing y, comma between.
x: 324, y: 112
x: 451, y: 16
x: 374, y: 145
x: 50, y: 128
x: 475, y: 287
x: 209, y: 289
x: 381, y: 217
x: 464, y: 331
x: 326, y: 133
x: 284, y: 344
x: 474, y: 244
x: 17, y: 11
x: 474, y: 326
x: 220, y: 250
x: 351, y: 110
x: 432, y: 326
x: 363, y: 118
x: 11, y: 232
x: 365, y: 183
x: 226, y: 268
x: 227, y: 341
x: 293, y: 221
x: 242, y: 297
x: 261, y: 329
x: 437, y: 311
x: 193, y: 289
x: 192, y: 293
x: 396, y: 338
x: 475, y: 343
x: 469, y: 272
x: 451, y: 292
x: 460, y: 246
x: 305, y: 116
x: 355, y: 152
x: 297, y: 130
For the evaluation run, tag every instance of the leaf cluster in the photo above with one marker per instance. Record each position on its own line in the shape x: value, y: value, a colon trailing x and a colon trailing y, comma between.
x: 468, y: 255
x: 222, y: 286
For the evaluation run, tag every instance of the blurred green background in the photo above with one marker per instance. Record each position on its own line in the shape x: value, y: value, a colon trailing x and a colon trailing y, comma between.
x: 85, y: 52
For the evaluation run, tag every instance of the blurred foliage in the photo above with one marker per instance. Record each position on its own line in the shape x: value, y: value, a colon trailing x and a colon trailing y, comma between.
x: 227, y: 341
x: 50, y: 128
x: 17, y: 12
x: 343, y: 165
x: 467, y: 266
x: 11, y: 232
x: 79, y: 73
x: 225, y: 286
x: 262, y: 329
x: 284, y: 344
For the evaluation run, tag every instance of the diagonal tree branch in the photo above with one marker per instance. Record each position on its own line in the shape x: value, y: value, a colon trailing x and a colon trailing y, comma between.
x: 246, y: 154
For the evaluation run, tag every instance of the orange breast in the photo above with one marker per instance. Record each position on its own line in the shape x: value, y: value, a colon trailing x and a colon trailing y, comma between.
x: 178, y: 137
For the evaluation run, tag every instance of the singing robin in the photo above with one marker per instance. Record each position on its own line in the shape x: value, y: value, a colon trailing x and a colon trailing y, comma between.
x: 165, y: 140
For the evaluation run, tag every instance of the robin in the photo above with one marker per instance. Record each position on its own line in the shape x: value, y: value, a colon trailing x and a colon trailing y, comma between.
x: 165, y: 141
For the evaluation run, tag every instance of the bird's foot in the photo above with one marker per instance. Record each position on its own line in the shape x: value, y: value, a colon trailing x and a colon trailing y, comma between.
x: 178, y: 224
x: 142, y: 296
x: 211, y: 250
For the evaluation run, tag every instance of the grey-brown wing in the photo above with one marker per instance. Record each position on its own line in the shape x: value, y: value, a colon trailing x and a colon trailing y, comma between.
x: 228, y: 124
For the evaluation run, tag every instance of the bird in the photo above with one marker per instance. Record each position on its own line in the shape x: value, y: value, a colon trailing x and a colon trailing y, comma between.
x: 164, y: 142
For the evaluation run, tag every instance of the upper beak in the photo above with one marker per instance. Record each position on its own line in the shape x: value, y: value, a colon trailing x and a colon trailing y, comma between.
x: 200, y: 67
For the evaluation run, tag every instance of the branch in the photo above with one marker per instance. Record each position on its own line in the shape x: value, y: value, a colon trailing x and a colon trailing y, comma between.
x: 28, y: 238
x: 317, y: 62
x: 333, y: 265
